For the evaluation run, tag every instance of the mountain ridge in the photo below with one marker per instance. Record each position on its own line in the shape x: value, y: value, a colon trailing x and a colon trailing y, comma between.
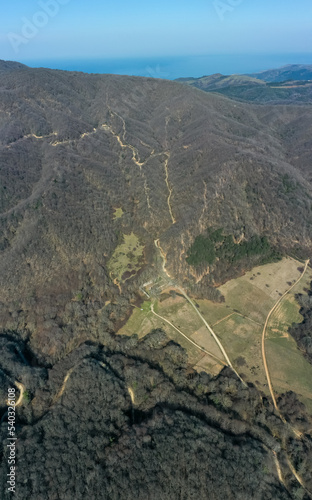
x: 287, y: 72
x: 288, y: 85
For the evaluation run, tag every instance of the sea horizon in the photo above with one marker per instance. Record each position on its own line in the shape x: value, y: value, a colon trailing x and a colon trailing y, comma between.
x: 175, y: 67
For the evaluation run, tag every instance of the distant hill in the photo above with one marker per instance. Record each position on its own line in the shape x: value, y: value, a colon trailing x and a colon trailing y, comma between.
x: 217, y: 81
x: 260, y: 87
x: 289, y: 72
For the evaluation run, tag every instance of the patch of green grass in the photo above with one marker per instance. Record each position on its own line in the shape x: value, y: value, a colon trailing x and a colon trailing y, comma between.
x: 118, y: 213
x: 156, y: 306
x: 126, y: 258
x: 242, y: 338
x: 288, y: 368
x: 212, y: 311
x: 137, y: 323
x: 183, y: 316
x: 169, y: 310
x: 26, y: 396
x: 247, y: 299
x: 239, y: 335
x: 146, y: 306
x: 285, y: 314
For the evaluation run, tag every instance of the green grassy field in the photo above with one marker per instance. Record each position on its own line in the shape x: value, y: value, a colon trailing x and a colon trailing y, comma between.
x: 288, y: 368
x: 143, y: 322
x: 140, y: 322
x: 254, y: 298
x: 285, y: 314
x: 241, y: 338
x: 181, y: 314
x: 238, y: 322
x: 215, y: 312
x: 247, y: 299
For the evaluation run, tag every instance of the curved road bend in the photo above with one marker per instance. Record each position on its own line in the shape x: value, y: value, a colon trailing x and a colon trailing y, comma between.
x: 263, y: 339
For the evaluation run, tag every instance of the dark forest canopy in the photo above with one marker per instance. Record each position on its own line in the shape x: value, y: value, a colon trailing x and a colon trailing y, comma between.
x: 216, y: 245
x: 131, y: 421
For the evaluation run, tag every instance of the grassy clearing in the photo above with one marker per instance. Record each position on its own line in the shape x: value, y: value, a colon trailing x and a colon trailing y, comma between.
x: 204, y: 338
x: 247, y: 299
x: 140, y: 322
x: 146, y: 306
x: 118, y: 213
x: 181, y: 314
x: 242, y: 340
x: 143, y: 322
x: 238, y: 323
x: 288, y: 368
x: 256, y: 292
x: 212, y: 311
x: 286, y: 313
x: 274, y: 279
x: 251, y: 299
x: 126, y: 258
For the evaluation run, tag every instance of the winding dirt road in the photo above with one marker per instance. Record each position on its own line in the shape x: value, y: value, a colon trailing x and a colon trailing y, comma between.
x: 163, y: 256
x: 22, y: 389
x: 267, y: 373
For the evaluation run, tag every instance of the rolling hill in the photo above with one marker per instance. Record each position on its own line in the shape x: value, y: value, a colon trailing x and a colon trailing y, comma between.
x: 288, y: 85
x: 288, y: 72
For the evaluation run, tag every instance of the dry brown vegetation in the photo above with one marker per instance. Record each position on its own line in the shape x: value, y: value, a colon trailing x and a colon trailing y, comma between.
x: 85, y: 160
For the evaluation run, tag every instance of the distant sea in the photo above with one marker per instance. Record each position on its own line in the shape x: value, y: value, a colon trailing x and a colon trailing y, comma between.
x: 176, y: 67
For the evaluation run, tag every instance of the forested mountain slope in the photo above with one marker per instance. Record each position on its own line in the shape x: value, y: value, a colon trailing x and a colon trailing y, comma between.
x: 107, y: 182
x: 76, y: 147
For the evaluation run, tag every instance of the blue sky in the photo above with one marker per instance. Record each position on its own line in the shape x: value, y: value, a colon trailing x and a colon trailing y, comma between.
x: 80, y: 29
